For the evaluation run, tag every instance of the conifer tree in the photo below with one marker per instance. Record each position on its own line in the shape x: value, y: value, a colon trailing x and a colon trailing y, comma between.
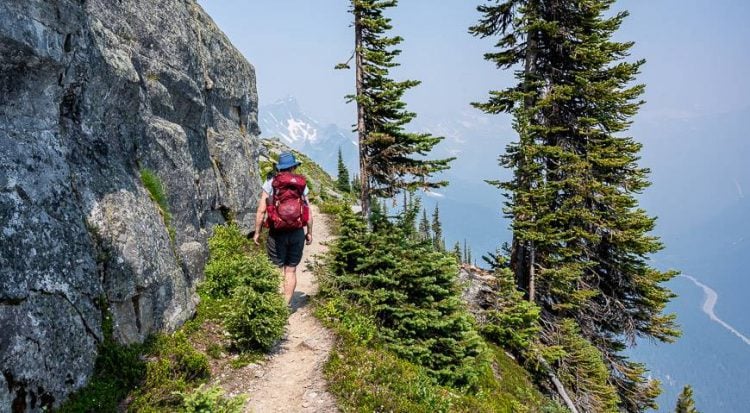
x: 466, y: 253
x: 391, y: 159
x: 580, y: 243
x: 685, y: 402
x: 424, y: 227
x: 457, y: 252
x: 342, y: 181
x: 411, y: 291
x: 437, y: 230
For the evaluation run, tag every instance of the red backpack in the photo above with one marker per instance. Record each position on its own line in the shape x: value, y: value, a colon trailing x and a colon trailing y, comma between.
x: 286, y: 207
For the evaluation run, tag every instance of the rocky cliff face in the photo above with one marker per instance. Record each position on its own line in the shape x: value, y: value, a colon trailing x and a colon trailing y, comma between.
x: 92, y: 93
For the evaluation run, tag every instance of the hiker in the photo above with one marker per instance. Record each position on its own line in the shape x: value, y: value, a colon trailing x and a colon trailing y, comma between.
x: 283, y: 208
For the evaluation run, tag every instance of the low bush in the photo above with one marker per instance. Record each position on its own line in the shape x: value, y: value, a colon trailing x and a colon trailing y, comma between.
x: 211, y: 400
x: 253, y: 311
x: 255, y: 320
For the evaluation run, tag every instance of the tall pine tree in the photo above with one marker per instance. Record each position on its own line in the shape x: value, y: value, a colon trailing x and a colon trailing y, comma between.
x: 424, y: 227
x: 342, y: 180
x: 391, y: 159
x: 580, y: 243
x: 437, y: 230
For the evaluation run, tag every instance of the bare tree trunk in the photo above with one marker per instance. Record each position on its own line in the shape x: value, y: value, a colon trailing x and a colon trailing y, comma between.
x: 532, y: 272
x: 523, y: 255
x: 361, y: 131
x: 559, y: 387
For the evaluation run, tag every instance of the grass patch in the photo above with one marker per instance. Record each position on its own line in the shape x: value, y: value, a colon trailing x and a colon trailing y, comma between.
x: 245, y: 359
x: 155, y: 189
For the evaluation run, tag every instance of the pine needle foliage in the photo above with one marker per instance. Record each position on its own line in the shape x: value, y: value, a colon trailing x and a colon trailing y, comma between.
x: 581, y: 368
x: 510, y: 321
x: 580, y: 243
x: 391, y: 159
x: 410, y: 290
x: 685, y: 402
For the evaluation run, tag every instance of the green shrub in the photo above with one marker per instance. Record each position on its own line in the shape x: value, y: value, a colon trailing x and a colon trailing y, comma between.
x: 211, y: 400
x: 366, y: 376
x: 338, y: 312
x: 233, y: 263
x: 227, y: 241
x: 253, y: 310
x: 173, y: 368
x: 255, y: 320
x: 224, y: 276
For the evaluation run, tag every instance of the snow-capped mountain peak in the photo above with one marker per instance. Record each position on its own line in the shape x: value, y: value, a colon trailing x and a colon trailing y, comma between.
x: 284, y: 119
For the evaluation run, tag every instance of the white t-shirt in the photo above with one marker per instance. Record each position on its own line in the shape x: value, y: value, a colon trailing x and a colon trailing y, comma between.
x: 268, y: 188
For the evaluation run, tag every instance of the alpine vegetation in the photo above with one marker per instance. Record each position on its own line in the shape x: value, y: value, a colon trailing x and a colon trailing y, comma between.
x: 581, y: 244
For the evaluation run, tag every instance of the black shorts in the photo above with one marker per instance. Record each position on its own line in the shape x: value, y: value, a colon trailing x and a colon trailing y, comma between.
x: 285, y: 247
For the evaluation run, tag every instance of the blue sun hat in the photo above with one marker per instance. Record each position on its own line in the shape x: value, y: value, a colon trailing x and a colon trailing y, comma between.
x: 286, y: 161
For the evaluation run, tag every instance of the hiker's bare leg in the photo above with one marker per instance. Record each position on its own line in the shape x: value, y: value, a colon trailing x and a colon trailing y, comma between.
x: 290, y: 283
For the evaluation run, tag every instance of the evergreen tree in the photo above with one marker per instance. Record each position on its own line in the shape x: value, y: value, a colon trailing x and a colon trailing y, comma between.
x: 424, y: 227
x: 391, y: 159
x: 457, y: 252
x: 466, y: 253
x: 342, y: 181
x: 437, y: 230
x: 411, y: 292
x: 685, y: 403
x: 580, y: 243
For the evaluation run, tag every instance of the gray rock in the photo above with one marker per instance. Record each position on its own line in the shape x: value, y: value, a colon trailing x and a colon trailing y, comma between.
x: 91, y: 93
x: 478, y: 288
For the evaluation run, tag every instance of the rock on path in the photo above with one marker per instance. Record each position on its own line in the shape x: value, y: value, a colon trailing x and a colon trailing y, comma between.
x: 292, y: 378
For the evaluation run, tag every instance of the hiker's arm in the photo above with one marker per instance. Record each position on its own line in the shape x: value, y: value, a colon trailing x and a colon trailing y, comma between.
x: 260, y: 215
x: 309, y: 236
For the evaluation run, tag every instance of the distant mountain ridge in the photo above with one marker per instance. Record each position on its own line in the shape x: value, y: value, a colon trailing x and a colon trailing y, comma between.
x: 285, y: 120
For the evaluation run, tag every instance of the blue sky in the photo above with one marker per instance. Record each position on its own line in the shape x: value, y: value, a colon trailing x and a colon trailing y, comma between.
x: 697, y: 52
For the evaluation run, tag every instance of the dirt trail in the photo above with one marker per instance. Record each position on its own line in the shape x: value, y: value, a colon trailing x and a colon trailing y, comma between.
x: 291, y: 380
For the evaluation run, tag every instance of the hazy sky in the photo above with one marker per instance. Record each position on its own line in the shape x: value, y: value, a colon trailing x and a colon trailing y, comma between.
x: 697, y: 53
